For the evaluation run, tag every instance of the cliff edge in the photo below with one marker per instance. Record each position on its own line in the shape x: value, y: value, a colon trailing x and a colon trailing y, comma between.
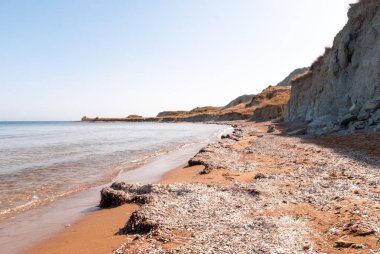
x: 341, y: 90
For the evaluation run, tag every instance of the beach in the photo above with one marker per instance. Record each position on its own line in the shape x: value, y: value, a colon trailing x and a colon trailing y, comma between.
x: 261, y: 192
x: 52, y: 172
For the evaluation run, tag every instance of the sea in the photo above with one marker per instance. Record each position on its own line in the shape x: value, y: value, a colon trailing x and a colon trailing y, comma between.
x: 41, y: 162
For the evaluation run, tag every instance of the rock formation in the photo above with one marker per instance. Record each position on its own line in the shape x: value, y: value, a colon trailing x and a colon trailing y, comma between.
x: 341, y: 90
x: 243, y: 99
x: 294, y: 74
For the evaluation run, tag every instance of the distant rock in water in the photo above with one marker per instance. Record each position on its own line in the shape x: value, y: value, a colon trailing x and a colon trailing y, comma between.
x: 294, y: 74
x: 341, y: 90
x: 243, y: 99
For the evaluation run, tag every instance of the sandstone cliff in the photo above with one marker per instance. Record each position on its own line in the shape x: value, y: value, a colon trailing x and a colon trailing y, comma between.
x: 341, y: 90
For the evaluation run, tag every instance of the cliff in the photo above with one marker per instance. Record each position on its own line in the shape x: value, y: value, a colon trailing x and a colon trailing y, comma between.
x: 341, y: 90
x: 294, y: 74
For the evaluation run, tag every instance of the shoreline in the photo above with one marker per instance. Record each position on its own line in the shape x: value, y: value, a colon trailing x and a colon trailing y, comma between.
x: 96, y: 231
x: 292, y: 183
x: 38, y: 225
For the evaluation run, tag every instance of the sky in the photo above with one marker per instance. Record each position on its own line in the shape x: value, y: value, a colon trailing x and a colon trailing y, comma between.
x: 61, y: 60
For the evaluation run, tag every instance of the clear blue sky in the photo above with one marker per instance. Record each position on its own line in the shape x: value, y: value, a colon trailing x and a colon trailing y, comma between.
x: 60, y: 60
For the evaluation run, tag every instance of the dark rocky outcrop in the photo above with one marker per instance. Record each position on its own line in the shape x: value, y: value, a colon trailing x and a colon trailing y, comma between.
x: 138, y: 224
x: 120, y: 193
x: 343, y: 86
x: 112, y: 198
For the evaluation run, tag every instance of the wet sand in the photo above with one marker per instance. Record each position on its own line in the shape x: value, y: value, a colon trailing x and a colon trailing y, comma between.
x: 96, y: 233
x: 46, y: 225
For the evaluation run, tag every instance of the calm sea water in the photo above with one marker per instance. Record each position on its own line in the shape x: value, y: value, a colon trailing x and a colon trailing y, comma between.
x: 42, y: 161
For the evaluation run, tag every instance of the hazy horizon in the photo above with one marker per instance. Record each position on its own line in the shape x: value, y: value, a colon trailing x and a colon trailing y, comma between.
x: 63, y: 60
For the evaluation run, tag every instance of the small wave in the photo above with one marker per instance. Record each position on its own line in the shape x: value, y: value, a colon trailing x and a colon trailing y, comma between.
x: 28, y: 205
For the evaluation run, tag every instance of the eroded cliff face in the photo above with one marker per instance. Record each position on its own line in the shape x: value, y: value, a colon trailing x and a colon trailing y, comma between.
x: 341, y: 90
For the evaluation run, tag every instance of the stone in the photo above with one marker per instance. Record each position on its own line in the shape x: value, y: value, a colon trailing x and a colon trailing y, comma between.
x: 138, y: 224
x: 225, y: 136
x: 270, y: 129
x: 359, y: 125
x: 372, y: 105
x: 259, y: 176
x: 112, y: 198
x: 336, y: 128
x: 363, y: 115
x: 376, y: 117
x: 358, y: 246
x: 343, y: 244
x: 301, y: 131
x: 347, y: 119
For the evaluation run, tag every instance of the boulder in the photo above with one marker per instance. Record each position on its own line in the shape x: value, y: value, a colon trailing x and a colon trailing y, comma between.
x: 138, y: 224
x: 359, y: 125
x: 112, y: 198
x: 376, y: 117
x: 347, y: 119
x: 363, y: 115
x: 372, y: 105
x: 301, y: 131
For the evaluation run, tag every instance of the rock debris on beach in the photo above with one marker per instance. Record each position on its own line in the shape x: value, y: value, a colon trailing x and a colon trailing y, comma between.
x: 303, y: 197
x: 217, y: 219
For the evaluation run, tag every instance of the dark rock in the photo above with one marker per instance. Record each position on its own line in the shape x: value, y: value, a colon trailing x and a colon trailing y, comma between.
x: 259, y: 176
x: 358, y: 246
x: 139, y: 199
x: 270, y: 129
x: 301, y: 131
x: 225, y: 136
x: 343, y: 244
x: 196, y: 162
x: 347, y: 119
x: 132, y: 188
x: 372, y: 105
x: 205, y: 171
x: 359, y: 125
x: 253, y: 192
x: 376, y: 117
x: 363, y: 115
x: 112, y: 198
x: 138, y: 224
